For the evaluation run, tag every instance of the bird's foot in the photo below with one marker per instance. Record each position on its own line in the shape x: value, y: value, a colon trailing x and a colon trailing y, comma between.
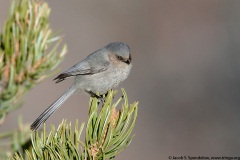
x: 99, y: 97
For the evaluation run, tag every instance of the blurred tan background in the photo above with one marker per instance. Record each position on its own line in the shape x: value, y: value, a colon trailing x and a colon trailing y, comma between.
x: 186, y: 71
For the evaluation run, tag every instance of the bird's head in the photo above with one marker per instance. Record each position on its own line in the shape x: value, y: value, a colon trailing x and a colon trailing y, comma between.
x: 121, y: 51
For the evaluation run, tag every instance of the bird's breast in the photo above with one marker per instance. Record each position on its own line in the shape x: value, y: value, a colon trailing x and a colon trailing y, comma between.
x: 103, y: 81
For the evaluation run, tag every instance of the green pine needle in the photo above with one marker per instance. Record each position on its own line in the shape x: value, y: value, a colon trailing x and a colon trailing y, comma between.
x: 108, y: 132
x: 29, y: 50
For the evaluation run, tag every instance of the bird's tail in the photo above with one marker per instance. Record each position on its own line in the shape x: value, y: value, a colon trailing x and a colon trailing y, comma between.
x: 51, y: 109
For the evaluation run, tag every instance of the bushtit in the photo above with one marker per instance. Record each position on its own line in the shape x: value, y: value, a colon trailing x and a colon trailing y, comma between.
x: 101, y: 71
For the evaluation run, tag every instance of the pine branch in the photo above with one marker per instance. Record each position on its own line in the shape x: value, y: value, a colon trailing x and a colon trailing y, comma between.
x: 108, y: 133
x: 17, y: 140
x: 28, y: 51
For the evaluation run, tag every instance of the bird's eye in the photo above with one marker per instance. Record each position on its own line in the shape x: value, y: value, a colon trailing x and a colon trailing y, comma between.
x: 119, y: 57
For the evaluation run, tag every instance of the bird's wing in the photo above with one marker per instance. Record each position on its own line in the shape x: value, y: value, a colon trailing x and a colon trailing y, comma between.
x: 84, y: 68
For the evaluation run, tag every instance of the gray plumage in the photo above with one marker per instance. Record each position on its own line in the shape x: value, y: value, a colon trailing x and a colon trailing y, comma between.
x: 101, y: 71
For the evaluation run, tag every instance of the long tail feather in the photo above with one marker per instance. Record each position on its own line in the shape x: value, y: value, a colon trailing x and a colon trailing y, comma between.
x: 51, y: 109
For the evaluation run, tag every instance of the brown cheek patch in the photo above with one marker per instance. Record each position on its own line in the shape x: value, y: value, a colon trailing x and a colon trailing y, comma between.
x: 113, y: 58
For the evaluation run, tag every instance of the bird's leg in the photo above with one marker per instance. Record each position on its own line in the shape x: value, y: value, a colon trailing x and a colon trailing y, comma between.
x: 108, y: 93
x: 100, y: 97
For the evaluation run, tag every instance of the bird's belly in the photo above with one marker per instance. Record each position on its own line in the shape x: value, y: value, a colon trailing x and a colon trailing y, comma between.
x: 102, y: 82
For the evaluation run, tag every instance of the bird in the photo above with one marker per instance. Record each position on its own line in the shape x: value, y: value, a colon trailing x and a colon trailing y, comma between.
x: 98, y: 73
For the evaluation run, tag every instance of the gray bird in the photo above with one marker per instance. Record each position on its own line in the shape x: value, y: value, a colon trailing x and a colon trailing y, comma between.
x: 101, y: 71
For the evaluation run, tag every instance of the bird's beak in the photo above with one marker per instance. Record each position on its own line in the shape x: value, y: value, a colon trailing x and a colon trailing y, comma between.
x: 129, y: 59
